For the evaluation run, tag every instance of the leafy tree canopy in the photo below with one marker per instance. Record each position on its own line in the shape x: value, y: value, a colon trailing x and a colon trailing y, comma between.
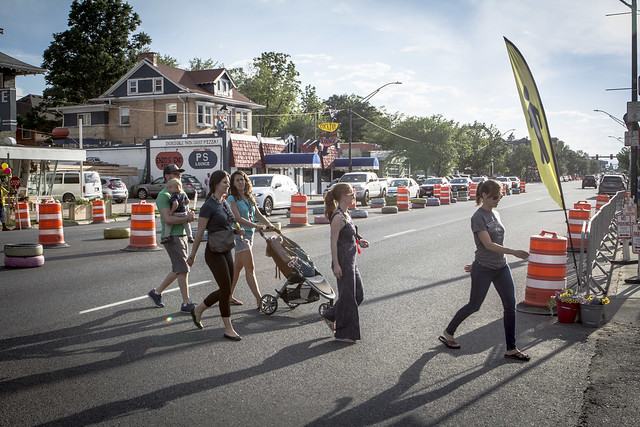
x: 98, y: 48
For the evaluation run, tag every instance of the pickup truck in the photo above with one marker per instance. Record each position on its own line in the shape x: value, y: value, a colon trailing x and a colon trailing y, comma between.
x: 365, y: 184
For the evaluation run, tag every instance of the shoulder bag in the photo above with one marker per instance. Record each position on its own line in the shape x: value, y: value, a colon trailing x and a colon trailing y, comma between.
x: 221, y: 241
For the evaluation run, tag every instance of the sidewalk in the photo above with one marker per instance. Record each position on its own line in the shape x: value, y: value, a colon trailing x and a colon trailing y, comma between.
x: 614, y: 372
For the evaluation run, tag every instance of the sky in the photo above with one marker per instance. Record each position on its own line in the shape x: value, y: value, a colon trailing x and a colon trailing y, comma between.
x: 449, y: 55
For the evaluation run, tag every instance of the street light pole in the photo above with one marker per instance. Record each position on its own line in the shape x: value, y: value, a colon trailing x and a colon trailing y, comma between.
x: 365, y: 99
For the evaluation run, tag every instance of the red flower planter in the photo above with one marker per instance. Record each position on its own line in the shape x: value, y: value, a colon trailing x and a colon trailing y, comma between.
x: 567, y: 311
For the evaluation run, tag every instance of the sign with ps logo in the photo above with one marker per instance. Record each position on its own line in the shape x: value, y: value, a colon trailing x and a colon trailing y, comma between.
x: 203, y: 159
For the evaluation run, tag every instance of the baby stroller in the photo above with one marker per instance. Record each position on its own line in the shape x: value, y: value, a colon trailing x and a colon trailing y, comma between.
x: 304, y: 283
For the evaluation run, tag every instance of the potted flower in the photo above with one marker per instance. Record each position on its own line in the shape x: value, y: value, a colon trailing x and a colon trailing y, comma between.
x: 591, y: 308
x: 567, y: 302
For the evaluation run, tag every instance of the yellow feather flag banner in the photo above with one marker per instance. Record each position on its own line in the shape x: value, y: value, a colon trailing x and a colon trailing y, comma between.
x: 536, y: 122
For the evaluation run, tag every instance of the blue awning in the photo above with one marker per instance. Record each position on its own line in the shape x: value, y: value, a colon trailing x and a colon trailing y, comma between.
x: 292, y: 160
x: 358, y: 163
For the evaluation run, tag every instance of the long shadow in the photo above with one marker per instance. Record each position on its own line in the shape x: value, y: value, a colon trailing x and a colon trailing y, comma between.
x: 286, y: 357
x: 77, y: 340
x: 84, y: 255
x: 401, y: 398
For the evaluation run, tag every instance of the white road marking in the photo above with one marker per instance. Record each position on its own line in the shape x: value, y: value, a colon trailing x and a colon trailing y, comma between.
x: 138, y: 298
x: 389, y: 236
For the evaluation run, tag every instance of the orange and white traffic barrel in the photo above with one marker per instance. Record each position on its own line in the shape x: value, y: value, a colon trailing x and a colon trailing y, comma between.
x: 582, y: 204
x: 299, y: 216
x: 547, y: 268
x: 445, y: 195
x: 473, y: 189
x: 51, y: 233
x: 98, y: 211
x: 523, y: 187
x: 577, y: 217
x: 403, y: 198
x: 23, y: 220
x: 436, y: 191
x: 602, y: 200
x: 143, y: 228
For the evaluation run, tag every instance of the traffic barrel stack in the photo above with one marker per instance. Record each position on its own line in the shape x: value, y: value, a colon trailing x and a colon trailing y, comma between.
x: 51, y: 233
x: 473, y: 189
x: 577, y: 217
x: 98, y: 211
x: 299, y: 216
x: 523, y: 187
x: 143, y: 228
x: 547, y: 268
x: 602, y: 200
x: 436, y: 191
x: 582, y: 204
x: 445, y: 194
x: 23, y: 220
x: 403, y: 198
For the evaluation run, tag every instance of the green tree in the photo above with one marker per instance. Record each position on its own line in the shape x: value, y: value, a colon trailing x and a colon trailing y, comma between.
x: 196, y: 64
x: 167, y: 60
x: 272, y: 81
x: 98, y: 48
x: 309, y: 113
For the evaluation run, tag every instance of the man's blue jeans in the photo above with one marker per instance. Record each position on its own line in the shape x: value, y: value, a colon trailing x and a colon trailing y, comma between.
x: 481, y: 278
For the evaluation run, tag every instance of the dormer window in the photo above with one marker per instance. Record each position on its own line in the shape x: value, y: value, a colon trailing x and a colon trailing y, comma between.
x: 223, y: 87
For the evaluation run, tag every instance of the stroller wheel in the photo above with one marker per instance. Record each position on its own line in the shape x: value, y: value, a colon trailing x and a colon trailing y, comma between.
x: 323, y: 307
x: 292, y: 305
x: 268, y: 304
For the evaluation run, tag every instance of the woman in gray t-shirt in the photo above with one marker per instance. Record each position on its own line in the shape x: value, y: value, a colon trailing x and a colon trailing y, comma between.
x: 489, y: 266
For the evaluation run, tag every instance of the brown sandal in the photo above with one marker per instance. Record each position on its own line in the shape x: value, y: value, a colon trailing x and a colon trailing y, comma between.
x: 449, y: 344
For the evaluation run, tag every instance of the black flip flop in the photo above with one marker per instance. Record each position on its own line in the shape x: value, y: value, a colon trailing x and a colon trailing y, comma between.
x: 449, y: 344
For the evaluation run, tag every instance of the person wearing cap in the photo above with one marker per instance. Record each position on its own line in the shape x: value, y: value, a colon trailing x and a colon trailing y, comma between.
x: 176, y: 246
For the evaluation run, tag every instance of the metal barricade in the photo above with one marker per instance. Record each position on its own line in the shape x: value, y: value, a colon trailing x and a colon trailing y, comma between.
x: 600, y: 236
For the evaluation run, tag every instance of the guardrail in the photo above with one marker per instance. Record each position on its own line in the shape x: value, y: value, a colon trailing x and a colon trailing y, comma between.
x: 598, y: 248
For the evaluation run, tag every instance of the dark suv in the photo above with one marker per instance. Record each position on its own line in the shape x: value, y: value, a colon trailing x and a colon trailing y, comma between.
x: 589, y: 181
x: 611, y: 184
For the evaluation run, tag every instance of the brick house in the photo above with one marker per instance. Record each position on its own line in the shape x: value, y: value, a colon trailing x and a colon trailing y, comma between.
x: 154, y: 99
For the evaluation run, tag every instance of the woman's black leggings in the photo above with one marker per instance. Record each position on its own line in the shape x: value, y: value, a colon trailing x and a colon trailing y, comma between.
x: 221, y: 265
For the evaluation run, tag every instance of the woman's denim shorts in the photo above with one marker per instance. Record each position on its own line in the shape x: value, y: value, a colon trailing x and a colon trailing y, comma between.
x: 243, y: 244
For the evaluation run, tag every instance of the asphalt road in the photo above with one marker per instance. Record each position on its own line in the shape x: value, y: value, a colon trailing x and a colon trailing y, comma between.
x: 81, y: 343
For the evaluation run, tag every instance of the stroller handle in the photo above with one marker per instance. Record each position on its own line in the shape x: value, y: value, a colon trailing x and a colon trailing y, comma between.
x: 274, y: 229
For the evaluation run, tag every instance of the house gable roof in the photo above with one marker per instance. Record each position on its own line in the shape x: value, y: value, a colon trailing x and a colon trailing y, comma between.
x: 186, y: 81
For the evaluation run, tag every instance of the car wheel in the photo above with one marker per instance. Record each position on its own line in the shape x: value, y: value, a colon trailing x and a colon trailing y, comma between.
x: 68, y: 198
x: 365, y: 199
x: 142, y: 194
x: 267, y: 208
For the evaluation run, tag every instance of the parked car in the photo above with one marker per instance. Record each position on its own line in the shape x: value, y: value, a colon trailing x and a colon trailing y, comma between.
x: 611, y: 184
x: 142, y: 191
x: 410, y: 183
x: 460, y: 184
x: 66, y: 185
x: 515, y: 181
x: 114, y: 188
x: 589, y: 181
x: 272, y: 191
x: 330, y: 186
x: 479, y: 179
x: 192, y: 181
x: 426, y: 189
x: 365, y: 185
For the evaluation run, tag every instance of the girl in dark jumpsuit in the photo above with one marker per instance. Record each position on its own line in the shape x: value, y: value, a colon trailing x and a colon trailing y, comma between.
x: 343, y: 316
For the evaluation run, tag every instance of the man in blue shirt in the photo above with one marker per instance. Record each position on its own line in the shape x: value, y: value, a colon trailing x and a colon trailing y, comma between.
x: 176, y: 247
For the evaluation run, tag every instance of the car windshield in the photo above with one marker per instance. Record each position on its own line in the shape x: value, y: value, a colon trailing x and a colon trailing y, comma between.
x: 513, y: 178
x: 260, y: 181
x: 502, y: 179
x: 478, y: 179
x: 612, y: 179
x: 399, y: 182
x: 91, y: 177
x: 458, y: 180
x: 354, y: 178
x: 433, y: 181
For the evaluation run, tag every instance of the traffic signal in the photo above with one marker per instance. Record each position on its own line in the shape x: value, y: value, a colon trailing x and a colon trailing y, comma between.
x: 611, y: 156
x: 596, y: 157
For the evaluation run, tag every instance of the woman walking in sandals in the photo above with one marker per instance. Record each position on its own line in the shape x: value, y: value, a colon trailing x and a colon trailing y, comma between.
x: 489, y: 266
x: 243, y: 206
x: 343, y: 317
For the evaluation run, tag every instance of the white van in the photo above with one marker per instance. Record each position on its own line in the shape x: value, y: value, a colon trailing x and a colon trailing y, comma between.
x: 66, y: 185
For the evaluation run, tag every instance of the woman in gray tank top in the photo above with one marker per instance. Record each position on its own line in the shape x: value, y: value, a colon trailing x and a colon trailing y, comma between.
x: 489, y: 266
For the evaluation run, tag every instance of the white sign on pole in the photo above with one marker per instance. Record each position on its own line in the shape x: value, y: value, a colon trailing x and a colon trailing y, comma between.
x: 635, y: 238
x: 624, y: 226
